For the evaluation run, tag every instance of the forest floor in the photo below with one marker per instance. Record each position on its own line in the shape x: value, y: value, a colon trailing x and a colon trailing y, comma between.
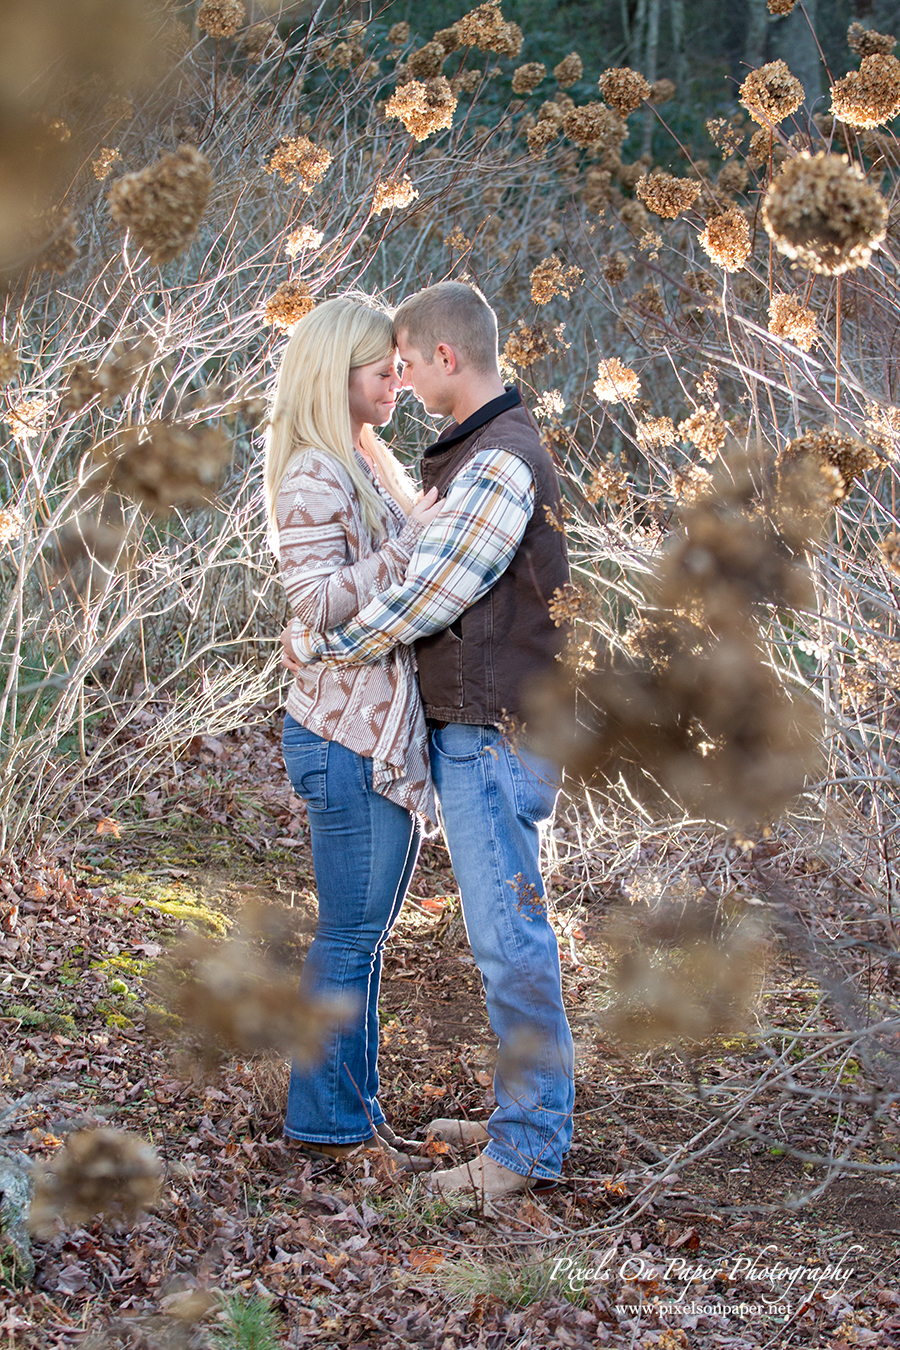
x: 738, y: 1245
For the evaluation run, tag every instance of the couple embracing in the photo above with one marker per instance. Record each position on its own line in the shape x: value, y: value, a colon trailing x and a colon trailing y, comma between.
x: 457, y: 583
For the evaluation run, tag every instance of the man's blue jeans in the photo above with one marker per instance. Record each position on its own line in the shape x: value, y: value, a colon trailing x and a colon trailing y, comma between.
x: 364, y: 851
x: 493, y: 799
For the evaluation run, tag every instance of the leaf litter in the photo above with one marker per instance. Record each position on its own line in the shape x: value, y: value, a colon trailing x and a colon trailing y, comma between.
x: 351, y: 1254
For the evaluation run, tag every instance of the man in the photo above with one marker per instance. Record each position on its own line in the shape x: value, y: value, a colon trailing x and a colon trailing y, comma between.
x: 475, y: 602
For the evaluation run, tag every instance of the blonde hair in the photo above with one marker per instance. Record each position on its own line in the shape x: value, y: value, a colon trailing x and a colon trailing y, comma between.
x: 452, y: 312
x: 311, y: 406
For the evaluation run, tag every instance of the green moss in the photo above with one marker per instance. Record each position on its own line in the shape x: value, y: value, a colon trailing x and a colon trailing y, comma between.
x: 128, y: 965
x: 119, y: 1020
x: 37, y: 1018
x: 177, y: 900
x: 187, y: 910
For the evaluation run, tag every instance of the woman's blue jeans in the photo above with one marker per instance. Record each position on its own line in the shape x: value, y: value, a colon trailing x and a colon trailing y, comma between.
x: 493, y: 798
x: 364, y: 851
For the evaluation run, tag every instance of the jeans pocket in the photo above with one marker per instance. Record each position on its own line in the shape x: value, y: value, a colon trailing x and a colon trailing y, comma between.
x: 458, y: 742
x: 535, y: 784
x: 306, y: 760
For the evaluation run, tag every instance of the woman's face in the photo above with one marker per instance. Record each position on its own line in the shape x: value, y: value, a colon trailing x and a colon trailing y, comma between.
x: 373, y: 391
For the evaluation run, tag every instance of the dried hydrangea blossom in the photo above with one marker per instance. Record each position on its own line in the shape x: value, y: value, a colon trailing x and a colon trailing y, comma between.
x: 448, y: 38
x: 665, y: 195
x: 306, y: 239
x: 889, y: 548
x: 164, y: 465
x: 654, y: 433
x: 869, y: 96
x: 231, y: 999
x: 427, y: 61
x: 393, y: 194
x: 288, y: 304
x: 866, y: 42
x: 485, y: 27
x: 569, y: 70
x: 661, y: 91
x: 566, y: 603
x: 597, y: 190
x: 616, y: 383
x: 724, y: 134
x: 705, y: 430
x: 615, y: 267
x: 883, y: 428
x: 117, y: 108
x: 789, y: 319
x: 58, y: 250
x: 423, y: 108
x: 466, y: 81
x: 527, y: 344
x: 11, y: 524
x: 527, y: 78
x: 607, y: 483
x: 551, y: 278
x: 726, y: 239
x: 733, y: 177
x: 822, y: 212
x: 102, y: 165
x: 548, y: 127
x: 550, y: 404
x: 260, y: 40
x: 762, y: 145
x: 162, y: 205
x: 771, y: 93
x: 781, y: 7
x: 221, y: 18
x: 635, y: 217
x: 96, y: 1172
x: 297, y: 159
x: 9, y: 363
x: 399, y: 33
x: 457, y: 240
x: 340, y: 56
x: 115, y: 377
x: 595, y: 125
x: 846, y: 454
x: 623, y: 89
x: 27, y: 419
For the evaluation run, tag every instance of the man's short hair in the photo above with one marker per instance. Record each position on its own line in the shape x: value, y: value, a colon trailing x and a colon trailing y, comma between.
x: 455, y: 313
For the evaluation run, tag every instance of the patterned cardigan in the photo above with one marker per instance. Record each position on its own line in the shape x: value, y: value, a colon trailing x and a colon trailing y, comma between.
x: 330, y: 569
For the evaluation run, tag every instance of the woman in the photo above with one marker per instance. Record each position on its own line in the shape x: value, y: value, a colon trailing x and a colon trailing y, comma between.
x: 344, y: 520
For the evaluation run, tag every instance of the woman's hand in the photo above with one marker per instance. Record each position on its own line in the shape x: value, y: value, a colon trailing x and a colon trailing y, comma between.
x: 288, y: 659
x: 427, y: 508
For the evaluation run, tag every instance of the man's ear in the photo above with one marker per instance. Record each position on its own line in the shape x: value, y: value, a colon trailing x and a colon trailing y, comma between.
x: 446, y: 358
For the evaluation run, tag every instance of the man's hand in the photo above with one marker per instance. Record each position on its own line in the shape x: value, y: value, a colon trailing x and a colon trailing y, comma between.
x: 288, y: 659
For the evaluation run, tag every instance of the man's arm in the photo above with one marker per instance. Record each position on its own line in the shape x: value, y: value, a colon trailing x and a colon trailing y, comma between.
x: 457, y: 559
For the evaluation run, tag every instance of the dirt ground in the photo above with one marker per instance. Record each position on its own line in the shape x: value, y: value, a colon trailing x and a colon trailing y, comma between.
x: 694, y: 1210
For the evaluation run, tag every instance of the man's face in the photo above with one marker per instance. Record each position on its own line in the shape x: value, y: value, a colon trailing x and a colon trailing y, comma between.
x: 429, y: 382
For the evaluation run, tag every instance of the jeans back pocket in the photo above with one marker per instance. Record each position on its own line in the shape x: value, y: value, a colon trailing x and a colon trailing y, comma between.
x: 306, y: 760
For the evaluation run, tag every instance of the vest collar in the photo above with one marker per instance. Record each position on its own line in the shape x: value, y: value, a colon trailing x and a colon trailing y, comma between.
x: 457, y: 432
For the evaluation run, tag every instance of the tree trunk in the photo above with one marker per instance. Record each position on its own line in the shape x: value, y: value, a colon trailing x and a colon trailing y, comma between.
x: 650, y: 70
x: 757, y: 35
x: 679, y: 72
x: 792, y: 40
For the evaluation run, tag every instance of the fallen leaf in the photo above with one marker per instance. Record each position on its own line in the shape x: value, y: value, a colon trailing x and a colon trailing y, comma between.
x: 425, y: 1258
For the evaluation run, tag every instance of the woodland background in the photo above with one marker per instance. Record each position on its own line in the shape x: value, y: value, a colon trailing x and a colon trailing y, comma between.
x: 704, y: 319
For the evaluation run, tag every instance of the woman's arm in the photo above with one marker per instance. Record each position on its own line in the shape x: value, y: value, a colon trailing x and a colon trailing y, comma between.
x: 323, y: 586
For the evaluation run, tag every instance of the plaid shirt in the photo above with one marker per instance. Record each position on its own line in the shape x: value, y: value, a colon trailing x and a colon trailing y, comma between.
x: 458, y: 559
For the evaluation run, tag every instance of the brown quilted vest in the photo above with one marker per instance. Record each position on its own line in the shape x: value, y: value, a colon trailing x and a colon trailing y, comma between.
x: 475, y: 670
